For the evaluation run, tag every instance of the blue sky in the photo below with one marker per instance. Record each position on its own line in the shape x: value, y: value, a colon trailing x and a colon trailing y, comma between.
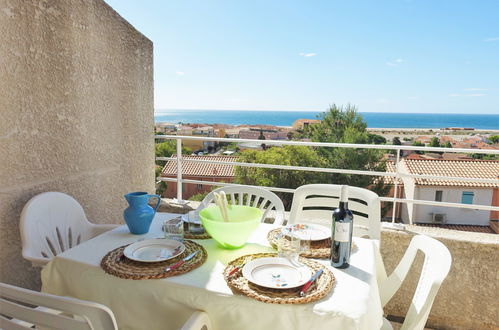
x: 382, y: 56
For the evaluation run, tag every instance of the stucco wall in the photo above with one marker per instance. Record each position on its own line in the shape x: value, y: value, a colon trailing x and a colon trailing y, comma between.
x: 468, y: 297
x: 483, y: 196
x: 76, y: 114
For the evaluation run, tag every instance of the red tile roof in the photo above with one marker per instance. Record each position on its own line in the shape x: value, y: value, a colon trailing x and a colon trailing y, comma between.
x: 390, y: 167
x: 481, y: 169
x: 201, y: 169
x: 471, y: 228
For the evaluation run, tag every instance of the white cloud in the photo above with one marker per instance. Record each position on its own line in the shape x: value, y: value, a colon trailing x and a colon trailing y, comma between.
x: 395, y: 62
x: 474, y: 89
x: 454, y: 95
x: 491, y: 39
x: 180, y: 73
x: 307, y: 54
x: 476, y: 95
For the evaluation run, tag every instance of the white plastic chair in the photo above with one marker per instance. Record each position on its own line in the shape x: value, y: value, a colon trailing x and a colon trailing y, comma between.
x: 316, y: 203
x: 198, y: 321
x: 250, y: 196
x: 21, y: 309
x: 436, y: 266
x: 51, y: 223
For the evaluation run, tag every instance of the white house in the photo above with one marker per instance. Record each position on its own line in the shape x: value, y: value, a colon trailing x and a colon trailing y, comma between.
x: 464, y: 192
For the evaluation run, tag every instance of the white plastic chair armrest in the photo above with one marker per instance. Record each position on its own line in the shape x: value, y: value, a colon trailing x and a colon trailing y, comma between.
x: 381, y: 274
x: 37, y: 262
x: 197, y: 321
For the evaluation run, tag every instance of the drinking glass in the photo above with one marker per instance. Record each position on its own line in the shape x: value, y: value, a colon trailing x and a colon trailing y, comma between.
x: 174, y: 229
x: 305, y: 243
x: 289, y: 246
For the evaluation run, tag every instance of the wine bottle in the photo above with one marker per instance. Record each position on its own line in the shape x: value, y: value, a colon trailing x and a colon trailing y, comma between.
x: 341, y: 232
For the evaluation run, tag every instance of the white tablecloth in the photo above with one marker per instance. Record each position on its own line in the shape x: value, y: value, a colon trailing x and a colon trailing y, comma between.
x: 167, y: 303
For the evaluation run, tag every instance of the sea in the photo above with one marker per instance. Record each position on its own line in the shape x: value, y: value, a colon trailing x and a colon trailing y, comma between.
x: 286, y: 118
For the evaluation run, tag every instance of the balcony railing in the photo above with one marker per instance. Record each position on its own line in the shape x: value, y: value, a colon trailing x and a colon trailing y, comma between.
x: 397, y: 175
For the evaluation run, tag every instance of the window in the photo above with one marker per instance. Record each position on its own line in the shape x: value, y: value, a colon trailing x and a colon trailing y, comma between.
x: 438, y: 196
x: 199, y: 186
x: 467, y: 197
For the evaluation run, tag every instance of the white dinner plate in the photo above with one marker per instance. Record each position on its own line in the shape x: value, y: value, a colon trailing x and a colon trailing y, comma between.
x: 154, y: 250
x: 307, y: 232
x: 276, y: 273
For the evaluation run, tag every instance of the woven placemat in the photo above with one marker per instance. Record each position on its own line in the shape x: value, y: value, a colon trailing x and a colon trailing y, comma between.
x: 115, y: 263
x: 319, y: 289
x: 318, y: 249
x: 189, y: 235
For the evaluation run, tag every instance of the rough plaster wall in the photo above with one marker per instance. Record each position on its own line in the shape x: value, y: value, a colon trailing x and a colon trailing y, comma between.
x: 468, y: 297
x: 76, y: 114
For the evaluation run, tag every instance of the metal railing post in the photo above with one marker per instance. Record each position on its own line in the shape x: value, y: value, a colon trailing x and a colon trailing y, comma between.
x: 179, y: 170
x: 395, y: 192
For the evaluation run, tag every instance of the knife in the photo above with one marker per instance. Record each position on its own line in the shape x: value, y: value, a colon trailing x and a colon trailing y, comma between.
x: 309, y: 283
x: 181, y: 262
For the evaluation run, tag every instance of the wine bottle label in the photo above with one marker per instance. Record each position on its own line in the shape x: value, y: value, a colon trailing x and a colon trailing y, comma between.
x: 342, y: 232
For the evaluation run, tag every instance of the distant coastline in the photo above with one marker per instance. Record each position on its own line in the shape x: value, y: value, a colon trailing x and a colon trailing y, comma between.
x: 374, y: 119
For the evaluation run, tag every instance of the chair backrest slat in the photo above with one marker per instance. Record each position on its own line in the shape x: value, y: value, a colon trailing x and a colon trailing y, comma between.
x: 40, y: 317
x: 316, y: 202
x: 9, y: 324
x: 88, y: 315
x: 244, y: 195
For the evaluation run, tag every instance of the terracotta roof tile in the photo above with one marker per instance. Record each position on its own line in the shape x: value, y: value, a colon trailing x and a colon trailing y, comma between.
x: 390, y: 167
x: 481, y: 169
x: 201, y: 169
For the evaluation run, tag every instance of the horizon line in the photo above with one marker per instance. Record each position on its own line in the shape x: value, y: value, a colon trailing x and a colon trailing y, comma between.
x: 315, y: 111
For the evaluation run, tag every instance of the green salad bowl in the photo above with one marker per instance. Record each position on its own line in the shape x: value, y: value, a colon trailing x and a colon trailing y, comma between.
x: 243, y: 220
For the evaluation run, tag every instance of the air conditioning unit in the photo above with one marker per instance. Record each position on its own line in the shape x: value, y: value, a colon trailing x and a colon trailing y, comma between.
x: 439, y: 217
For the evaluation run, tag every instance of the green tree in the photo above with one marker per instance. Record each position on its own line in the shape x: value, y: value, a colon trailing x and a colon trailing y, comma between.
x: 418, y: 144
x: 396, y: 141
x: 161, y: 185
x: 494, y: 139
x: 484, y: 156
x: 287, y: 155
x: 167, y: 149
x: 345, y: 125
x: 338, y: 125
x: 376, y: 139
x: 434, y: 142
x: 447, y: 145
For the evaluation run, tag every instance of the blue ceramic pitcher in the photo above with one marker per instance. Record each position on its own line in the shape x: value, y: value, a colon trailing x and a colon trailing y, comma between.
x: 138, y: 216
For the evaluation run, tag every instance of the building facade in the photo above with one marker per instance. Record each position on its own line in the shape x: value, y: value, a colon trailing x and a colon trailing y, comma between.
x: 464, y: 192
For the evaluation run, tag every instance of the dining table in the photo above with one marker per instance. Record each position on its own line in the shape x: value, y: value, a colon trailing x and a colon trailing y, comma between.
x: 167, y: 303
